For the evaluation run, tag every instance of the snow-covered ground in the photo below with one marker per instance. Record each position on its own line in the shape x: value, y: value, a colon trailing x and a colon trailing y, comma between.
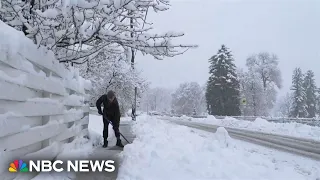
x: 291, y: 129
x: 96, y: 129
x: 167, y: 151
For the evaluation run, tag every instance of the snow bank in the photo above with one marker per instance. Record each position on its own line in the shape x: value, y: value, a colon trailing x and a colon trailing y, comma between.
x: 223, y: 137
x: 166, y: 151
x: 95, y: 137
x: 96, y: 130
x: 291, y: 129
x: 260, y: 123
x: 80, y: 148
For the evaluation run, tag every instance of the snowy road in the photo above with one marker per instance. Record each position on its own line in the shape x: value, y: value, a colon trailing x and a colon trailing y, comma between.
x: 291, y: 129
x: 305, y: 147
x: 164, y: 150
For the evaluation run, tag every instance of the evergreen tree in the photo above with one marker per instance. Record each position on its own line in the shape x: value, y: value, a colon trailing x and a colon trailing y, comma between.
x: 318, y: 101
x: 310, y: 90
x: 223, y: 87
x: 299, y: 96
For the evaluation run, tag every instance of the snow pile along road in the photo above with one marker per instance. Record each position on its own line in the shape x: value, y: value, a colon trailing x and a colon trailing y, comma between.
x: 291, y: 129
x: 166, y: 151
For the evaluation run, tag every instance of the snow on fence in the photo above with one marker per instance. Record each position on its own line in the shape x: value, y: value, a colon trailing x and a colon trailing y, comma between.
x: 43, y: 105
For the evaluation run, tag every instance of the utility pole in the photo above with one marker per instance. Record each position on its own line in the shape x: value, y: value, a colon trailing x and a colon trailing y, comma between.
x: 134, y: 105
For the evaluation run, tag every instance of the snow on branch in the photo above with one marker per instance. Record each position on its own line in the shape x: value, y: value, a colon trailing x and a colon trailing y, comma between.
x: 112, y: 72
x: 76, y: 30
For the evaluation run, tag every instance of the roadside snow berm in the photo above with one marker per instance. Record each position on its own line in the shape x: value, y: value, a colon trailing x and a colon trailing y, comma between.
x: 223, y: 137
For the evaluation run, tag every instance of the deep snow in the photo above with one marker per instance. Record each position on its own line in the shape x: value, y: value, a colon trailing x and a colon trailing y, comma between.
x: 167, y: 151
x: 291, y: 129
x: 96, y: 129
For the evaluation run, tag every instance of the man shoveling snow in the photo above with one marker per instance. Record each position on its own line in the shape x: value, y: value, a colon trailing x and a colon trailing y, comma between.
x: 110, y: 113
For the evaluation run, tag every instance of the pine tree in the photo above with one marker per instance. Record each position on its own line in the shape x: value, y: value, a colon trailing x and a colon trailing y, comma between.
x: 299, y: 96
x: 318, y: 101
x: 310, y: 90
x: 223, y: 87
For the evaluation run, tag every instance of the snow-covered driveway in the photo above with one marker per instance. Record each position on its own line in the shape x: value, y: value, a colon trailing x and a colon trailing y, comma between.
x: 166, y: 151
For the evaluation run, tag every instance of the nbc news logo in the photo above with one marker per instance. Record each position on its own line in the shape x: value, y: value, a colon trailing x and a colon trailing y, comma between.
x: 57, y: 166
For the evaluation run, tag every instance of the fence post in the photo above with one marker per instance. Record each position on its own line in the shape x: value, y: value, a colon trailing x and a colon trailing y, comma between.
x: 86, y: 115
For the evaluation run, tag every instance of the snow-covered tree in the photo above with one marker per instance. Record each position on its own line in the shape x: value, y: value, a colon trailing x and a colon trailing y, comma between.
x: 243, y: 90
x: 203, y: 102
x: 223, y: 89
x: 265, y: 66
x: 310, y: 88
x: 187, y: 98
x: 299, y: 108
x: 113, y: 73
x: 251, y: 90
x: 91, y: 31
x: 125, y: 89
x: 284, y: 105
x: 157, y: 99
x: 79, y: 30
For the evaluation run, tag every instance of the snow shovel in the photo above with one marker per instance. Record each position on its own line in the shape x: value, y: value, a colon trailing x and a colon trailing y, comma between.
x: 119, y: 132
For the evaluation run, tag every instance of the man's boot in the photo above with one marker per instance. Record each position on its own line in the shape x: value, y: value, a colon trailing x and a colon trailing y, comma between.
x: 119, y: 143
x: 105, y: 143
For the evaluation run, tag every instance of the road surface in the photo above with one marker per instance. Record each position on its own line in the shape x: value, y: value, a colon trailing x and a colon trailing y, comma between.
x: 305, y: 147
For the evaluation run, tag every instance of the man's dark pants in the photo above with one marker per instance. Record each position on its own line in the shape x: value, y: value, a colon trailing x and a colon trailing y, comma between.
x: 115, y: 128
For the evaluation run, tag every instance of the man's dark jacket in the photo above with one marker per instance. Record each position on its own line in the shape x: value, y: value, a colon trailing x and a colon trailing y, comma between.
x: 110, y: 109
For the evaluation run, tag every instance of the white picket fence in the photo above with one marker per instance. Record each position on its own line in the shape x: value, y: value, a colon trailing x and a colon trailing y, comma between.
x: 43, y: 105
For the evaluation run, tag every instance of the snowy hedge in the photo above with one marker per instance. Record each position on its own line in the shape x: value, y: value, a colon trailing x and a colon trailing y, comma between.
x: 43, y: 105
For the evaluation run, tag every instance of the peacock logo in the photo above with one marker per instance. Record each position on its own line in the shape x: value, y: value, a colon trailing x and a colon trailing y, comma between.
x: 18, y: 166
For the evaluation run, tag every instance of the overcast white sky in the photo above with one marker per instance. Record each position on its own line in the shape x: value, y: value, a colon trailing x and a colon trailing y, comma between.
x: 288, y: 28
